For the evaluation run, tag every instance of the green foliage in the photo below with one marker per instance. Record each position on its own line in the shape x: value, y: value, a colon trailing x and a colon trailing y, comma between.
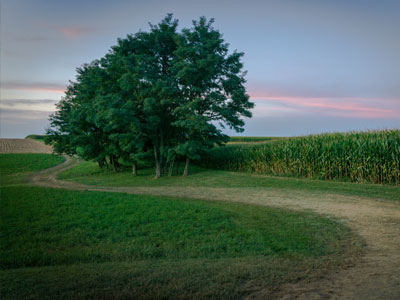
x: 372, y: 156
x: 207, y: 74
x: 160, y: 91
x: 78, y: 125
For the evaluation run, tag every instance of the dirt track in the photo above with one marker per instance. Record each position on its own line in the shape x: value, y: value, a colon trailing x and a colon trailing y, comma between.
x: 376, y: 276
x: 23, y: 146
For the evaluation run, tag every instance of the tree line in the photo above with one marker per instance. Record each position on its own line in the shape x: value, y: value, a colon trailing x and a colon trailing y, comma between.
x: 160, y: 95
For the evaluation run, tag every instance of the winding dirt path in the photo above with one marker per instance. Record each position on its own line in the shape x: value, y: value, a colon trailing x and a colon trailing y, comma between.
x: 375, y: 276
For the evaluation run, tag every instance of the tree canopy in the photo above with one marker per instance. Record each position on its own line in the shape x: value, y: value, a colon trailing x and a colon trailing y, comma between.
x: 163, y: 94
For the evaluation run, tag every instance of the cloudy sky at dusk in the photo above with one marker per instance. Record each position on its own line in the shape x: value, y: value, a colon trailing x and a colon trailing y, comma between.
x: 313, y: 65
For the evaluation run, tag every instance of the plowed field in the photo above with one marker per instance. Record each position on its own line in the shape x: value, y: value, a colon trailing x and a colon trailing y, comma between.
x: 23, y: 146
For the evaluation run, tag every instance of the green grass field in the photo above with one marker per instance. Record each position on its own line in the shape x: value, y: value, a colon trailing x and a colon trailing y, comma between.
x: 90, y: 173
x: 14, y: 168
x: 76, y: 244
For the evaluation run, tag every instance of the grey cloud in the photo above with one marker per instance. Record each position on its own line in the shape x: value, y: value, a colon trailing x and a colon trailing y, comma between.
x: 328, y: 90
x: 25, y: 85
x: 28, y: 38
x: 16, y: 102
x: 20, y: 123
x: 17, y: 115
x: 34, y: 39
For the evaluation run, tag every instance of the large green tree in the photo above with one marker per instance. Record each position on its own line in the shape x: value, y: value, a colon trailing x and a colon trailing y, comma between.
x: 166, y: 91
x: 75, y: 127
x: 158, y: 91
x: 211, y: 82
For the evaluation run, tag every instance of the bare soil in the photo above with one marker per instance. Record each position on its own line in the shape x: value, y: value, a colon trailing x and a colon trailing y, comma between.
x: 23, y: 146
x: 375, y: 276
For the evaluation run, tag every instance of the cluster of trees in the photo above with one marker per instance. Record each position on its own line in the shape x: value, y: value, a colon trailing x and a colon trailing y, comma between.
x: 162, y: 94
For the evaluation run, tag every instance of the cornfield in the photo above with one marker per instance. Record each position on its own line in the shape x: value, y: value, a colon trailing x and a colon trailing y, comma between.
x: 372, y: 156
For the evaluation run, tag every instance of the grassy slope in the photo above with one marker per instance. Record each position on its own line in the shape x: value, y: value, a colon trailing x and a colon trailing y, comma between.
x: 15, y: 167
x: 89, y: 173
x: 99, y: 227
x: 37, y: 137
x: 69, y: 244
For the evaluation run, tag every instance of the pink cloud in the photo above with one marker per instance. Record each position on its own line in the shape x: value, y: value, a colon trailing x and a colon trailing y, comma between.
x: 70, y: 31
x: 354, y: 107
x: 47, y: 87
x: 73, y: 32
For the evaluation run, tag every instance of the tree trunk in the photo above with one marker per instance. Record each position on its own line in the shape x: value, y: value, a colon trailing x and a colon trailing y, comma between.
x: 113, y: 162
x: 117, y: 164
x: 158, y: 169
x: 187, y: 165
x: 158, y: 162
x: 165, y: 166
x: 161, y: 152
x: 171, y: 167
x: 177, y: 167
x: 106, y: 163
x: 134, y: 168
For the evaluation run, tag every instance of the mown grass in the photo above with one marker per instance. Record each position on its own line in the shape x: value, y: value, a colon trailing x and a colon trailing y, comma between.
x: 78, y: 227
x: 15, y: 167
x: 162, y: 279
x: 75, y: 244
x: 90, y: 173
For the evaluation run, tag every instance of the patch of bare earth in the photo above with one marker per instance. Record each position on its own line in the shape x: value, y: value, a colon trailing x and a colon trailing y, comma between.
x: 375, y: 276
x: 23, y: 146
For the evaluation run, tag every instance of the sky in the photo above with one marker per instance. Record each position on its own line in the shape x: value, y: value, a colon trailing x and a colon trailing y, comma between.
x: 313, y: 66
